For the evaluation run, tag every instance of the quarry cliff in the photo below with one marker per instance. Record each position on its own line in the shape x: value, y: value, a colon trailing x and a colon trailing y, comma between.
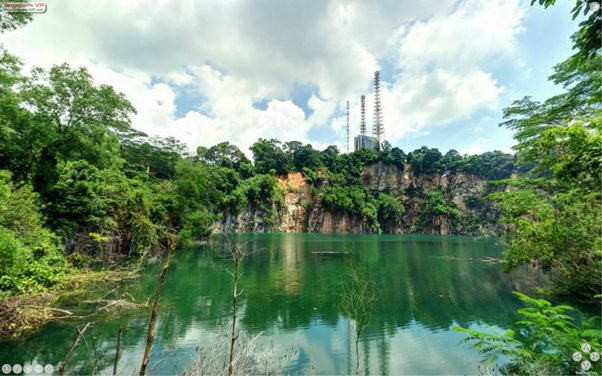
x: 447, y: 203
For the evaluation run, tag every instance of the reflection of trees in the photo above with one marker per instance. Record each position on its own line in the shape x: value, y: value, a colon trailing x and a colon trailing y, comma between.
x: 287, y: 287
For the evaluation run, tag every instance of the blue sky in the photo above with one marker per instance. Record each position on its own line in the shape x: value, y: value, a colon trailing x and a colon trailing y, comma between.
x: 236, y: 70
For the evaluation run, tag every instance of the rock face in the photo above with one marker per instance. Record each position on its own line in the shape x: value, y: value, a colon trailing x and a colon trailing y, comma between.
x: 302, y: 209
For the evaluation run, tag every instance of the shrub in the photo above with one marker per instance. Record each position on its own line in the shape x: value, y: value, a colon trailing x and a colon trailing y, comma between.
x: 549, y: 335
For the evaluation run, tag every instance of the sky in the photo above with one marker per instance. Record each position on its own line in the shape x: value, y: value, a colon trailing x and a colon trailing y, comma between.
x: 207, y: 71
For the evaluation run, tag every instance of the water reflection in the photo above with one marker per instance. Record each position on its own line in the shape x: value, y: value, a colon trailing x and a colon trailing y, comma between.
x: 292, y: 296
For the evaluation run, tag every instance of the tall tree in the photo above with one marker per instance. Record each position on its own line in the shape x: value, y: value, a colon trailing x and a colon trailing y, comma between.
x: 81, y: 118
x: 554, y: 213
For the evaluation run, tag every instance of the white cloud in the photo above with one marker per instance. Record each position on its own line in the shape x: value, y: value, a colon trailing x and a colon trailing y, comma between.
x: 442, y: 62
x: 235, y: 53
x: 478, y: 146
x: 322, y: 109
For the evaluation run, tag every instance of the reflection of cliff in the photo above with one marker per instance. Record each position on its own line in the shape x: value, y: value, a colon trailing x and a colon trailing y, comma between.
x: 303, y: 210
x: 289, y: 286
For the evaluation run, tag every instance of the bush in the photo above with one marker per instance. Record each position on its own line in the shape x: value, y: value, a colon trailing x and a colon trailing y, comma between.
x: 548, y: 338
x: 349, y: 200
x: 30, y: 260
x: 196, y: 226
x: 390, y: 211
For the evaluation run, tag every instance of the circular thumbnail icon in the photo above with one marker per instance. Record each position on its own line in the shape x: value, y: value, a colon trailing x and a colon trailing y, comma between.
x: 593, y: 356
x: 586, y: 347
x: 577, y: 356
x: 6, y: 368
x: 17, y: 369
x: 594, y: 6
x: 38, y: 368
x: 27, y: 368
x: 48, y: 368
x: 586, y: 365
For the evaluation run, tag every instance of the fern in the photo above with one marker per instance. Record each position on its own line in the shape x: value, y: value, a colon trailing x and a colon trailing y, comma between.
x: 548, y: 337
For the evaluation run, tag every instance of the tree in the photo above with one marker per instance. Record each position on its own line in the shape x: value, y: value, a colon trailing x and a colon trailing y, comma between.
x: 492, y: 165
x: 554, y: 221
x: 30, y: 258
x: 358, y: 298
x: 390, y: 211
x: 79, y: 118
x: 269, y: 156
x: 156, y: 156
x: 14, y: 20
x: 307, y: 157
x: 425, y: 160
x: 224, y: 154
x: 548, y: 338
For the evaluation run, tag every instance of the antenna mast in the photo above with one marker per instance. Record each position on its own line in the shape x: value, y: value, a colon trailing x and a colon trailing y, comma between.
x: 347, y: 127
x: 378, y: 129
x: 363, y: 121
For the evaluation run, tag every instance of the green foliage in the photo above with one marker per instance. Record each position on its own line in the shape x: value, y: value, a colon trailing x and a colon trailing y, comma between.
x: 436, y: 204
x: 425, y: 160
x: 548, y: 336
x: 226, y: 155
x: 114, y: 213
x: 155, y: 157
x: 30, y: 260
x: 390, y: 211
x: 474, y: 202
x: 493, y: 165
x: 436, y: 208
x: 195, y: 227
x: 350, y: 200
x: 554, y: 216
x: 354, y: 201
x: 207, y: 186
x: 269, y: 155
x: 307, y: 157
x: 261, y: 191
x: 560, y: 233
x: 394, y: 156
x: 14, y: 20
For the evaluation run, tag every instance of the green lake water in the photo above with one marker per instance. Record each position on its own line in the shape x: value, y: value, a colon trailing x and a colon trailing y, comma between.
x: 291, y: 296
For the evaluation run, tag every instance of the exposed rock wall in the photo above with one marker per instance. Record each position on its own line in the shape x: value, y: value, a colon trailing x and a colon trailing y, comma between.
x: 303, y: 211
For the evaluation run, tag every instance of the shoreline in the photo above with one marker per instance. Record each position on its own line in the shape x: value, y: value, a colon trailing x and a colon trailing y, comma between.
x: 24, y: 314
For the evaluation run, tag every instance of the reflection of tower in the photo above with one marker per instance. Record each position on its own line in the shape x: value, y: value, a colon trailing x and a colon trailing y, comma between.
x: 366, y: 357
x: 347, y: 127
x: 349, y: 346
x: 363, y: 122
x: 383, y: 355
x: 378, y: 129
